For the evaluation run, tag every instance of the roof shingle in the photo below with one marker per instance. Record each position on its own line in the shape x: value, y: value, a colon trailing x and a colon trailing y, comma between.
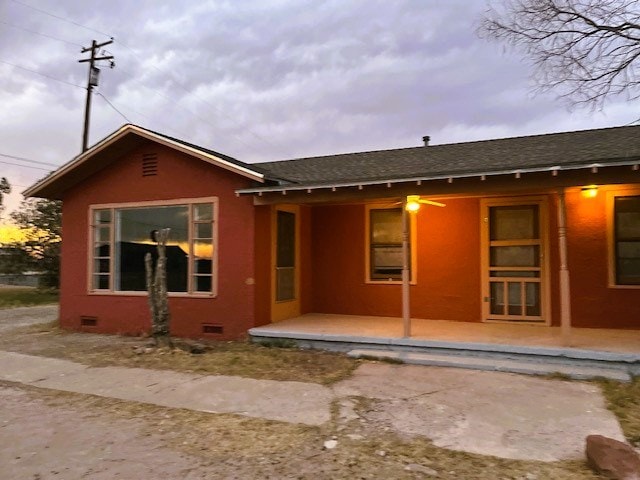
x: 600, y: 146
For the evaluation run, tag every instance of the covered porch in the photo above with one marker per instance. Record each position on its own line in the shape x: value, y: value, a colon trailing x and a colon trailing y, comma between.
x: 364, y: 329
x: 531, y: 349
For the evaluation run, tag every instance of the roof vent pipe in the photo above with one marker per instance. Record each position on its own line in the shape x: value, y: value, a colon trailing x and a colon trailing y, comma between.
x: 426, y: 139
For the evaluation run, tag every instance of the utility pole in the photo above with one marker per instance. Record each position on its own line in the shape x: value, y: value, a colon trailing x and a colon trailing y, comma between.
x: 92, y: 81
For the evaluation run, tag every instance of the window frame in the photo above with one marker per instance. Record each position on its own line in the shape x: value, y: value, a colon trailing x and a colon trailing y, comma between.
x: 413, y: 245
x: 114, y: 207
x: 628, y: 191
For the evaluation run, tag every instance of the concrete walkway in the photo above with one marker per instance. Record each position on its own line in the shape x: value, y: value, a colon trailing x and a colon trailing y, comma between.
x: 505, y: 415
x: 294, y: 402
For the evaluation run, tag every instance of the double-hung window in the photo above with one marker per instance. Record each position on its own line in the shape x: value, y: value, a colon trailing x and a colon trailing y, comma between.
x: 626, y: 239
x: 384, y: 245
x: 123, y: 234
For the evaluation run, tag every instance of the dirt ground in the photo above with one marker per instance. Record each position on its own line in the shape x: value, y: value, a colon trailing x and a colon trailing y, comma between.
x: 47, y: 434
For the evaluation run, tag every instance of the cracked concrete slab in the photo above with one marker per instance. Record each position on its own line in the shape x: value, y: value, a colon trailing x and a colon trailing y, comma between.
x: 490, y: 413
x: 293, y: 402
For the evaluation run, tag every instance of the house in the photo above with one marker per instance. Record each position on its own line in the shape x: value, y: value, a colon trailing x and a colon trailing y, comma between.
x: 538, y: 230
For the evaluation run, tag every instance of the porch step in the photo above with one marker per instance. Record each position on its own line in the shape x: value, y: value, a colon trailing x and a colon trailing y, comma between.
x: 512, y: 365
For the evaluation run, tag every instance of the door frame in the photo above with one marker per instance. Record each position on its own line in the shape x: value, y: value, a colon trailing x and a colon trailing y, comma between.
x: 545, y: 289
x: 283, y: 309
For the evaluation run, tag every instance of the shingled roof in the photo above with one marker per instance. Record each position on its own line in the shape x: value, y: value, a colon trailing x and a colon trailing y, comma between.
x: 569, y: 150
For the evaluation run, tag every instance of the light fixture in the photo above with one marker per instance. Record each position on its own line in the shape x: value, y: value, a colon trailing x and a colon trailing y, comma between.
x: 590, y: 191
x: 414, y: 202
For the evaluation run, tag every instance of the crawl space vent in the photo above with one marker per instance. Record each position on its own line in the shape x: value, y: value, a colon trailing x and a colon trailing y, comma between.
x: 149, y: 164
x: 216, y: 329
x: 88, y: 321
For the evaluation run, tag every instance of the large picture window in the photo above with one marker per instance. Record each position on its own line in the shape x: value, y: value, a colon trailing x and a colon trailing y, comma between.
x: 385, y: 245
x: 123, y: 235
x: 626, y: 231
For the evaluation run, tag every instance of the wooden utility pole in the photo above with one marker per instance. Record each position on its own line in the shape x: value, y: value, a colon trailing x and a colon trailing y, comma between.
x: 92, y: 81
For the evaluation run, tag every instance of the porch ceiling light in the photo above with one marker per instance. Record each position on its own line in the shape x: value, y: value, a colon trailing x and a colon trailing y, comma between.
x: 590, y: 191
x: 414, y: 202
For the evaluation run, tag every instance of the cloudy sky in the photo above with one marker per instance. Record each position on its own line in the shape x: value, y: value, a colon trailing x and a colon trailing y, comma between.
x: 265, y: 79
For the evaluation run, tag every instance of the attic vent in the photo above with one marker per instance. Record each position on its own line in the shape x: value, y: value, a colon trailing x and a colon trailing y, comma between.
x: 88, y: 321
x: 208, y: 328
x: 149, y: 164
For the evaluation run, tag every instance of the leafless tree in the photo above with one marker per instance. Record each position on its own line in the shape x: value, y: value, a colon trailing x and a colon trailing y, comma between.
x: 4, y: 188
x: 156, y: 281
x: 587, y: 50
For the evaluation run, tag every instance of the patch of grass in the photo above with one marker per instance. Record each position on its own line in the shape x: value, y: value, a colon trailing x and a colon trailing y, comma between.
x: 276, y: 342
x: 623, y: 399
x: 238, y: 358
x: 25, y: 296
x: 234, y: 358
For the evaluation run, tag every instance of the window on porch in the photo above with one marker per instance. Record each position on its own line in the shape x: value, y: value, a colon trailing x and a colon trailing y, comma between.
x: 385, y: 244
x: 627, y: 239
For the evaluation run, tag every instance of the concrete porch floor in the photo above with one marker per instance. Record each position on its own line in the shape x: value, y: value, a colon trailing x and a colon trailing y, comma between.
x: 361, y: 328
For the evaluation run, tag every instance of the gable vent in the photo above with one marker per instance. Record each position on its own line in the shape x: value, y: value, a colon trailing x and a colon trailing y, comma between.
x: 149, y: 164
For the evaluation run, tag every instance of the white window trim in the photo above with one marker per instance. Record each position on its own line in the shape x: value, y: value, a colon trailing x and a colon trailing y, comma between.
x: 154, y: 203
x: 412, y: 241
x: 622, y: 191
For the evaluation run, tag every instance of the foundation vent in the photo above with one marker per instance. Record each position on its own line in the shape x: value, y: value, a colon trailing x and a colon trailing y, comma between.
x: 215, y: 329
x: 88, y: 321
x: 149, y: 164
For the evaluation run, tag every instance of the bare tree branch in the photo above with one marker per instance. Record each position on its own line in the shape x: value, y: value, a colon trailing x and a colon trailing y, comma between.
x: 586, y: 50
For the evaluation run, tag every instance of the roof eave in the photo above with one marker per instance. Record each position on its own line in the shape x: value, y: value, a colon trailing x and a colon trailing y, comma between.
x: 42, y: 185
x: 362, y: 183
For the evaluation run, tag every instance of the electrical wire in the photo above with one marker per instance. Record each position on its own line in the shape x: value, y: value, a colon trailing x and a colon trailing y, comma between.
x: 41, y: 34
x: 112, y: 106
x: 23, y: 159
x: 205, y: 102
x: 61, y: 18
x: 179, y: 84
x: 26, y: 166
x: 41, y: 74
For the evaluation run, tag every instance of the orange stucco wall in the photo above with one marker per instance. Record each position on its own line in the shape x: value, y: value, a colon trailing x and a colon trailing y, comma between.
x: 594, y: 303
x: 448, y: 283
x: 448, y: 269
x: 179, y: 176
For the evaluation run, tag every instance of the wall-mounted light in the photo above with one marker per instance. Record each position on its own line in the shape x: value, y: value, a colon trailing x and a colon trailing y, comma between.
x: 590, y: 191
x: 414, y: 202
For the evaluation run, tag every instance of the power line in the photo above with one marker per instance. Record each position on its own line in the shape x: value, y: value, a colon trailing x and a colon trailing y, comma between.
x: 26, y: 166
x: 112, y: 106
x: 23, y: 159
x: 41, y: 34
x: 179, y: 84
x: 213, y: 107
x: 41, y: 74
x: 61, y: 18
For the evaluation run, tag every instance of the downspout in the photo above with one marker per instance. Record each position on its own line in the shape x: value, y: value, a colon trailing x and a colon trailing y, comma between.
x: 406, y: 274
x: 565, y: 292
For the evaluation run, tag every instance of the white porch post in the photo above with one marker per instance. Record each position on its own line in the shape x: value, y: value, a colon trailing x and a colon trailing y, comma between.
x: 565, y: 292
x: 406, y: 275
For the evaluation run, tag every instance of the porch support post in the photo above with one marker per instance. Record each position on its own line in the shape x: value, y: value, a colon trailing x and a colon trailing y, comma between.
x: 565, y: 292
x: 406, y: 275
